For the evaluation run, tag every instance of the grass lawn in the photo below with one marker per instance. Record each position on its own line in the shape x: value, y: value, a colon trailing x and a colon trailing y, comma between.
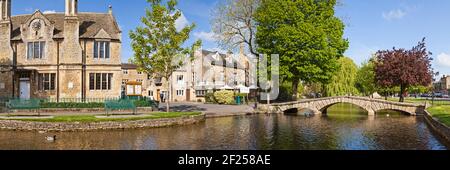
x: 92, y: 118
x: 442, y: 112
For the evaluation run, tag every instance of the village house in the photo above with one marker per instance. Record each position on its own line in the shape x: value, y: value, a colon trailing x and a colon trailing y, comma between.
x: 209, y: 71
x: 59, y: 55
x: 443, y: 85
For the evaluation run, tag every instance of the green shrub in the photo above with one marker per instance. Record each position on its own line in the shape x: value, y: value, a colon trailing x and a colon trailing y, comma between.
x: 224, y: 97
x: 145, y: 103
x: 209, y: 98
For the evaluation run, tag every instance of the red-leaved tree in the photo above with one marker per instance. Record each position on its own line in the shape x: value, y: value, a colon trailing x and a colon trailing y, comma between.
x: 404, y: 68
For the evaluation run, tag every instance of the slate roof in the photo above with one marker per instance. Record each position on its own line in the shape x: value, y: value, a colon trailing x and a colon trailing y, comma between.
x: 90, y: 24
x: 129, y: 66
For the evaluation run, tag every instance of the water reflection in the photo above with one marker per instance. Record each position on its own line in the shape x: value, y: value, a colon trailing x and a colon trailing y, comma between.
x: 344, y: 127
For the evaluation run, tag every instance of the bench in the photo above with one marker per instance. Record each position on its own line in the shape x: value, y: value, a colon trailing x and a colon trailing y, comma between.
x: 121, y: 104
x: 24, y: 104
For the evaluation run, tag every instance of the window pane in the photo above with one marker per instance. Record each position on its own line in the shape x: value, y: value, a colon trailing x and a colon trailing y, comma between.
x: 102, y: 50
x: 110, y: 75
x: 95, y: 49
x: 107, y: 49
x: 36, y: 50
x: 104, y: 81
x: 98, y: 81
x: 30, y: 50
x: 42, y: 49
x: 52, y: 81
x: 91, y: 81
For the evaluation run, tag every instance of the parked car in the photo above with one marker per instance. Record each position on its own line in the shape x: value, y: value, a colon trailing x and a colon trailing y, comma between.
x: 425, y: 95
x: 438, y: 95
x: 445, y: 96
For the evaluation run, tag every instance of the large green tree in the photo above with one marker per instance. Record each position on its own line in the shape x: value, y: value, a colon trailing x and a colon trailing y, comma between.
x: 306, y: 34
x: 158, y: 45
x: 344, y: 80
x: 365, y: 78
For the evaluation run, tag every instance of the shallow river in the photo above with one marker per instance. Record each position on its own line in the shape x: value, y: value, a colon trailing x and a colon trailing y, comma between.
x: 344, y: 127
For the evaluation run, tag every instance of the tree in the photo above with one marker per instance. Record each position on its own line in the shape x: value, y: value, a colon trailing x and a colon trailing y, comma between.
x: 404, y: 68
x: 344, y: 80
x: 233, y: 23
x: 365, y: 78
x: 157, y: 45
x: 306, y: 35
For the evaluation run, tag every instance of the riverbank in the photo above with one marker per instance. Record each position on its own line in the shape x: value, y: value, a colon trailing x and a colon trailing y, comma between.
x: 438, y: 126
x: 92, y: 122
x: 441, y: 112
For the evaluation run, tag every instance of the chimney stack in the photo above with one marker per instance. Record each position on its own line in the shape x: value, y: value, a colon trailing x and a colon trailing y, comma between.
x: 5, y: 10
x: 71, y: 7
x: 110, y: 11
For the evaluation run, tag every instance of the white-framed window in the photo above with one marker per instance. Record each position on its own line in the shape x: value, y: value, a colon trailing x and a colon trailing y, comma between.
x: 139, y: 80
x: 47, y: 81
x: 101, y: 50
x: 139, y: 72
x: 100, y: 81
x: 180, y: 79
x: 150, y: 93
x: 180, y: 92
x: 124, y: 81
x: 125, y: 71
x: 36, y: 50
x: 200, y: 93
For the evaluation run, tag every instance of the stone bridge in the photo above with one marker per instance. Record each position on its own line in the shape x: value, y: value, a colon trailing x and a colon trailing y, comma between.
x: 320, y: 105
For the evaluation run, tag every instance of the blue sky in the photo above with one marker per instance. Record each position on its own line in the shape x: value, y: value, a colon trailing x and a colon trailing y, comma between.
x: 371, y: 24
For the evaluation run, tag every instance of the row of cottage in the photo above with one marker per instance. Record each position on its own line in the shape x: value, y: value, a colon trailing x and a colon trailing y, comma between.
x: 78, y: 55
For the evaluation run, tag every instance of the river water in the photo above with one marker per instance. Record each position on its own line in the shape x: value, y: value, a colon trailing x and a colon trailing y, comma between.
x: 345, y: 127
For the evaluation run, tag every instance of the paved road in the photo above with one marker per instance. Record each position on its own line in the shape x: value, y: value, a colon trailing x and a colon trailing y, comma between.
x: 211, y: 110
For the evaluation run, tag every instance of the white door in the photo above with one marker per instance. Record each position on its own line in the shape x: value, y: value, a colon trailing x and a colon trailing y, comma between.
x: 25, y: 89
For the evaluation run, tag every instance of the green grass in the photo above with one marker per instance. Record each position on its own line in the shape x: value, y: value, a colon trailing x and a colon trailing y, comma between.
x: 92, y: 118
x: 442, y: 112
x: 408, y: 100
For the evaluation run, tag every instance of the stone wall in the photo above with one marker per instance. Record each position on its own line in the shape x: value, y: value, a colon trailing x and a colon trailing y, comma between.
x: 72, y: 127
x: 438, y: 127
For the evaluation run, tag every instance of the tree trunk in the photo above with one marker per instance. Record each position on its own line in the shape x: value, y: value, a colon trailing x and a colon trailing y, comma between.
x: 295, y: 83
x: 168, y: 95
x: 402, y: 93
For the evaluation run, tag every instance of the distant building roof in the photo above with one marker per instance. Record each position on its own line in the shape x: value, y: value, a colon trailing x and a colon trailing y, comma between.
x: 129, y: 66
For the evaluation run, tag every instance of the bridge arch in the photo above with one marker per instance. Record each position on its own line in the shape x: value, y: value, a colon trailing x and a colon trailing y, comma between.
x: 323, y: 106
x: 324, y: 110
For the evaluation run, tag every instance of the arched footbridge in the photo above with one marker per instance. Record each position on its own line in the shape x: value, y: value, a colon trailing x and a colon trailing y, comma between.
x: 320, y: 105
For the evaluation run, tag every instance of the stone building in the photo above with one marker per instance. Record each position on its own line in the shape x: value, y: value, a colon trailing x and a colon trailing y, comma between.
x: 59, y: 55
x: 208, y: 71
x: 443, y: 85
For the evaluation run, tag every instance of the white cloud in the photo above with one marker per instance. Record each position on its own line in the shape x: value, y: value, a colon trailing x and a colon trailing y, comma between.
x: 181, y: 22
x: 394, y: 14
x: 206, y: 36
x: 49, y: 12
x: 443, y: 59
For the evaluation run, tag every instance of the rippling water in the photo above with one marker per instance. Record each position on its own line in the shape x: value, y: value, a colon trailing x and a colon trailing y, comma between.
x: 344, y: 127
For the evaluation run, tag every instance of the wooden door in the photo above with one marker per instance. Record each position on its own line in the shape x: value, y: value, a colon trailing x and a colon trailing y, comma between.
x: 188, y: 95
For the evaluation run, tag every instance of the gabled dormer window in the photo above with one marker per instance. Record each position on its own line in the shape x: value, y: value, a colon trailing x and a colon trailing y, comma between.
x: 36, y: 50
x: 101, y: 50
